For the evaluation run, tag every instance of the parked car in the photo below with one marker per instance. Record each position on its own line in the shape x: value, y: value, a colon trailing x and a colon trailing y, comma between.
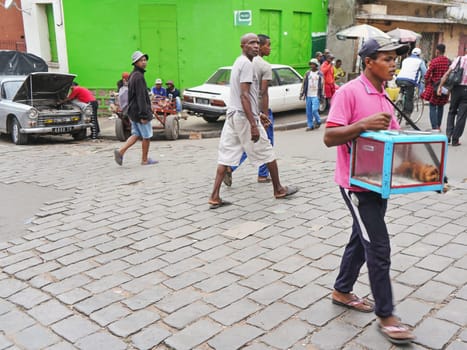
x: 29, y: 105
x: 210, y: 100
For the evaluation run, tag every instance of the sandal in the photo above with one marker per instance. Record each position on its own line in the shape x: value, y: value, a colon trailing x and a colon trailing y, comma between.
x: 150, y: 162
x: 356, y: 303
x: 118, y: 157
x: 396, y: 334
x: 289, y: 190
x: 264, y: 179
x: 220, y: 203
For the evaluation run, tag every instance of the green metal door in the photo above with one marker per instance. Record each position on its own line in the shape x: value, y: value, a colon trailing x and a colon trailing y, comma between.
x: 270, y: 25
x: 158, y: 30
x: 301, y: 40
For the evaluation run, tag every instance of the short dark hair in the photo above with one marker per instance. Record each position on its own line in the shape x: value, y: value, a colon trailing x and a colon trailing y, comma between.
x: 373, y: 56
x: 441, y: 48
x: 338, y: 60
x: 74, y: 83
x: 262, y: 39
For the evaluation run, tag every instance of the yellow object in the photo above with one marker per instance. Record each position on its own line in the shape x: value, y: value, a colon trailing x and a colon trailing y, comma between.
x: 393, y: 92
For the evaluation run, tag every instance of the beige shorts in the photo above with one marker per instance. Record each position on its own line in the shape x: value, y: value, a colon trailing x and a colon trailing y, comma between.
x: 236, y: 139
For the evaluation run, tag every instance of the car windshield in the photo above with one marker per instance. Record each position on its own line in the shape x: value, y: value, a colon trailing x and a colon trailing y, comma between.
x: 221, y: 77
x: 10, y: 88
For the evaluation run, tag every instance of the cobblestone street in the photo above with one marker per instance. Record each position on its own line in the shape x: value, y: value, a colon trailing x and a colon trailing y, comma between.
x: 132, y: 258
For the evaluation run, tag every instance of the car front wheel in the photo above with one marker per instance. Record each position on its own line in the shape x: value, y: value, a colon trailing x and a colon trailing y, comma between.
x: 80, y: 135
x: 211, y: 119
x: 16, y: 136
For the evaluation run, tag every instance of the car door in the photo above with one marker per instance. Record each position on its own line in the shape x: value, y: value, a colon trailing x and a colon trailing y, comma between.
x: 289, y: 86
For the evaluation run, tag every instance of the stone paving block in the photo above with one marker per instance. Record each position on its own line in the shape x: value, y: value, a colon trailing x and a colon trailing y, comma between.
x: 34, y: 271
x: 182, y: 266
x: 261, y: 279
x: 22, y: 265
x: 453, y: 276
x: 111, y: 268
x: 186, y: 279
x: 455, y: 311
x: 109, y: 314
x: 27, y: 246
x: 74, y: 328
x: 415, y: 276
x: 244, y: 243
x: 67, y: 284
x: 146, y: 297
x: 11, y: 286
x: 35, y: 337
x: 307, y: 295
x: 279, y: 253
x: 175, y: 244
x: 271, y: 293
x: 178, y: 299
x: 328, y: 262
x: 217, y: 282
x: 272, y: 315
x: 50, y: 312
x: 150, y: 337
x: 401, y: 262
x: 259, y: 346
x: 434, y: 292
x: 321, y: 312
x: 291, y: 264
x: 244, y: 229
x: 235, y: 312
x: 210, y: 243
x: 287, y: 334
x: 80, y: 255
x: 114, y: 244
x: 303, y: 276
x: 147, y: 267
x: 235, y: 337
x: 434, y: 333
x: 317, y: 251
x: 48, y: 247
x: 99, y: 341
x: 216, y: 253
x: 98, y: 301
x: 188, y: 314
x: 107, y: 282
x: 412, y: 311
x: 371, y: 338
x: 248, y: 253
x: 4, y: 342
x: 139, y: 284
x: 74, y: 296
x: 92, y: 242
x: 5, y: 306
x: 334, y: 335
x: 250, y: 267
x: 73, y: 269
x: 193, y: 335
x: 180, y: 254
x: 453, y: 250
x: 420, y: 249
x: 14, y: 321
x: 29, y: 297
x: 227, y: 295
x: 133, y: 323
x: 142, y: 256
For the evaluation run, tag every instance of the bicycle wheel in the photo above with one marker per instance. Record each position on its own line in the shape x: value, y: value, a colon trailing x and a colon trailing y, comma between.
x: 417, y: 107
x: 400, y: 105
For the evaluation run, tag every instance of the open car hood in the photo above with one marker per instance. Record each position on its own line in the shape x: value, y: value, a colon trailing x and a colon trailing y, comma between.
x: 40, y: 86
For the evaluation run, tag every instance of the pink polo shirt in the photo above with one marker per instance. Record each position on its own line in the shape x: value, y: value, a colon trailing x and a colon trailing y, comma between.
x: 352, y: 102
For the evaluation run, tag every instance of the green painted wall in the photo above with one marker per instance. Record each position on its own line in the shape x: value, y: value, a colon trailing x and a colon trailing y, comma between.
x: 186, y: 39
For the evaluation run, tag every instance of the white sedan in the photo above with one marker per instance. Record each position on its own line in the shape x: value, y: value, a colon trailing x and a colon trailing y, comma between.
x: 210, y: 100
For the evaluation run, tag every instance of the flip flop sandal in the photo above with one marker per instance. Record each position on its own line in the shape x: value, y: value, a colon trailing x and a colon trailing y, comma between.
x: 150, y: 162
x: 290, y: 191
x: 263, y: 180
x: 118, y: 157
x: 357, y: 304
x: 395, y: 333
x: 215, y: 205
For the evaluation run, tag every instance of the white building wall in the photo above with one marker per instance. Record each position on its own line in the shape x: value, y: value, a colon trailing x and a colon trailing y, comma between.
x: 37, y: 34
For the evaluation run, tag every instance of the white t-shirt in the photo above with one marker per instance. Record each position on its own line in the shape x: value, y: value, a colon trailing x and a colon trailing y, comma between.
x: 313, y: 79
x: 243, y: 72
x: 264, y: 71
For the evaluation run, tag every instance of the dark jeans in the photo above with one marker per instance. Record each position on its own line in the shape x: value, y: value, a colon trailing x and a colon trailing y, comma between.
x: 95, y: 129
x: 436, y: 115
x: 368, y: 242
x: 457, y: 113
x: 409, y: 90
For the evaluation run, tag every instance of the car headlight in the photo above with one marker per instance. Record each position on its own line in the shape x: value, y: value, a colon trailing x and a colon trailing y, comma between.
x: 33, y: 113
x: 88, y: 110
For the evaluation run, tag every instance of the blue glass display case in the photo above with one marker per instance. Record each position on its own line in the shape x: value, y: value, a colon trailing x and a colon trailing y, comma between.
x: 398, y: 161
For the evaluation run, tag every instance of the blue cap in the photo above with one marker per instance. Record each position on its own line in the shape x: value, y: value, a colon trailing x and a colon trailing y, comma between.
x: 380, y: 44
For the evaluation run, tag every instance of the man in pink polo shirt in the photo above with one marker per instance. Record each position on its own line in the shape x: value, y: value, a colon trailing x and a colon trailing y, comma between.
x: 359, y: 106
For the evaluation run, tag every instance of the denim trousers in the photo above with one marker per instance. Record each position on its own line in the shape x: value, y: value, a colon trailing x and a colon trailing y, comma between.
x: 436, y: 115
x: 312, y: 111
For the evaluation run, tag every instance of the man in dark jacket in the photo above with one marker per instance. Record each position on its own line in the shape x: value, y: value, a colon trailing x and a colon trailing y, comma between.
x: 139, y: 110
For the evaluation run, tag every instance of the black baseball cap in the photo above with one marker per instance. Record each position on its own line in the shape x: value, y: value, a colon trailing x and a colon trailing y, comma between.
x: 380, y: 44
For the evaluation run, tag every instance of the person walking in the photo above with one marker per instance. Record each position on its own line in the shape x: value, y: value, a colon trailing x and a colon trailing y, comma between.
x: 327, y: 68
x: 84, y: 95
x: 412, y: 71
x: 264, y: 71
x: 242, y: 130
x: 312, y: 92
x: 438, y: 66
x: 139, y: 111
x: 457, y: 115
x: 360, y: 105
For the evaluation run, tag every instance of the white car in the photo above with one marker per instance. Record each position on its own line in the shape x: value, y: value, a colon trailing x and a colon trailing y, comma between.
x: 210, y: 100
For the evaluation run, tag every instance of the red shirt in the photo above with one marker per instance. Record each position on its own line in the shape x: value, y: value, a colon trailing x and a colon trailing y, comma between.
x: 82, y: 94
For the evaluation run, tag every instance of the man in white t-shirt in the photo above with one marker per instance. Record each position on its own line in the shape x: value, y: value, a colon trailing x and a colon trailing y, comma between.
x: 312, y: 91
x: 243, y: 131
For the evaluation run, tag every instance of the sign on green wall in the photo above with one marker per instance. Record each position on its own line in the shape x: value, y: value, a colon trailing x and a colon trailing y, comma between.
x: 242, y: 18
